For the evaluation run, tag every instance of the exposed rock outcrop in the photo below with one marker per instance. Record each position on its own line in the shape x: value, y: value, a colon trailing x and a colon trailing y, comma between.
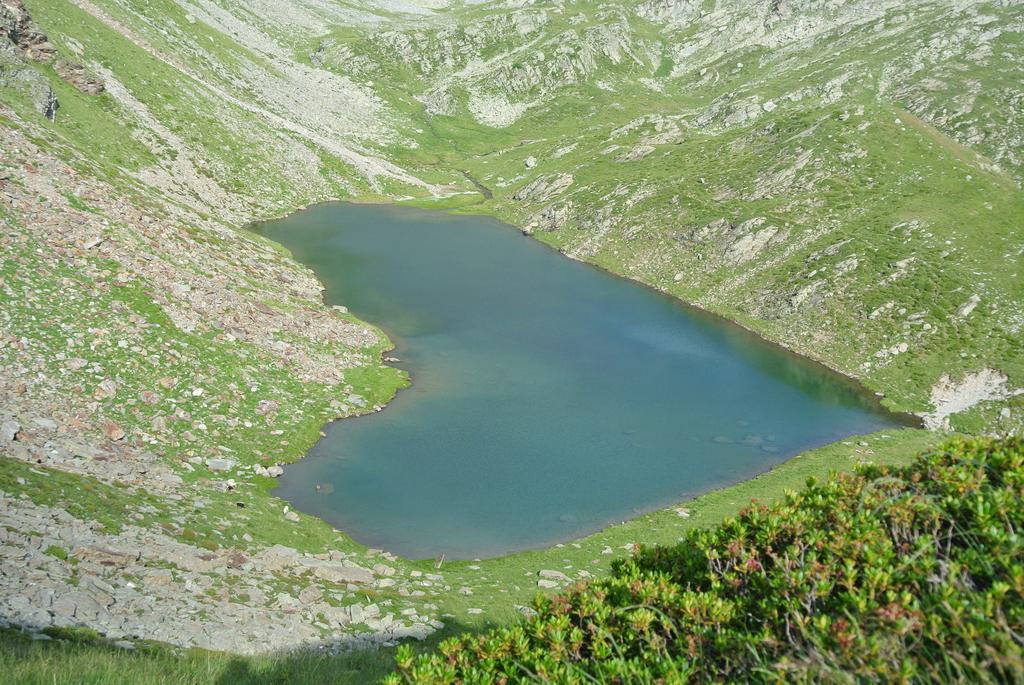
x: 954, y: 396
x: 544, y: 188
x: 79, y: 77
x: 21, y: 30
x: 16, y: 73
x: 20, y: 43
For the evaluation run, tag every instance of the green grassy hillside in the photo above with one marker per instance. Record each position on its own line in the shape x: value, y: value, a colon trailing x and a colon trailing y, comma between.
x: 833, y: 180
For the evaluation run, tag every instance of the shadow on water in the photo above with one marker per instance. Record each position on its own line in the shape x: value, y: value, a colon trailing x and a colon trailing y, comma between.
x: 809, y: 376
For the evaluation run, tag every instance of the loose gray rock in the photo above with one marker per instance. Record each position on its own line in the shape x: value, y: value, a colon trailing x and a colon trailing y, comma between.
x: 8, y: 429
x: 553, y: 575
x: 337, y: 572
x: 220, y: 464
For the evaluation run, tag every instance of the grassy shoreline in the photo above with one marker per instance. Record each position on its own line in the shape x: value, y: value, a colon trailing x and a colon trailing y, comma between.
x: 660, y: 525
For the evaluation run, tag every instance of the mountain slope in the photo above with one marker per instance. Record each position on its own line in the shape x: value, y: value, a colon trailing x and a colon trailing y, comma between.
x: 841, y: 177
x: 809, y: 170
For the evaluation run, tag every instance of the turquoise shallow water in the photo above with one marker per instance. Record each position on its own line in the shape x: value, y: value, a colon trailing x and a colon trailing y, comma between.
x: 549, y: 398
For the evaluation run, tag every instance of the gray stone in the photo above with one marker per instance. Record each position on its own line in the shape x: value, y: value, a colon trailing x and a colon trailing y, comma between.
x: 337, y: 616
x: 553, y: 575
x: 356, y: 614
x: 310, y: 594
x: 417, y: 631
x: 35, y: 86
x: 8, y: 429
x: 45, y: 424
x: 967, y: 307
x: 220, y: 464
x: 337, y: 572
x: 279, y: 558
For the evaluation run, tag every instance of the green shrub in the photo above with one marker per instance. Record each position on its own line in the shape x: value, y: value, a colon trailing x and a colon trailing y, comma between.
x: 56, y: 552
x: 893, y: 575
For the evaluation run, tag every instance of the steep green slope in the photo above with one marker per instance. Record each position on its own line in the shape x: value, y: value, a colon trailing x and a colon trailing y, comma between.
x: 804, y: 169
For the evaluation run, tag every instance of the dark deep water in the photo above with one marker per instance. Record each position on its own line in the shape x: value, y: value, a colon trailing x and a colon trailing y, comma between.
x: 549, y: 398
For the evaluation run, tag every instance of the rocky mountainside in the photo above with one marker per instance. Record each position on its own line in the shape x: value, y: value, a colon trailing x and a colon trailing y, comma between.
x: 843, y: 177
x: 808, y: 169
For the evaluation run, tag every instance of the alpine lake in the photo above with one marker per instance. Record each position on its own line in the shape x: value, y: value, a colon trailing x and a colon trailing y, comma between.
x: 548, y: 399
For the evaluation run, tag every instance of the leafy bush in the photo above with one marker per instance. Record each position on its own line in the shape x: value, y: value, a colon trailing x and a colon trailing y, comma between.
x: 895, y: 575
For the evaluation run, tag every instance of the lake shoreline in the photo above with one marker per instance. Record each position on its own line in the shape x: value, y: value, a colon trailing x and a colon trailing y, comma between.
x: 848, y: 381
x: 912, y: 419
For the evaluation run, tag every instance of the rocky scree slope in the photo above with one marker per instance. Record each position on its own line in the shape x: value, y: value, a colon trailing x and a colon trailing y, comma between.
x: 842, y: 177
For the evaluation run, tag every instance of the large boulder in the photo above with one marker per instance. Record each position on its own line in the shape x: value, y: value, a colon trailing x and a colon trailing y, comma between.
x: 79, y: 77
x: 279, y: 558
x: 337, y: 572
x: 17, y: 74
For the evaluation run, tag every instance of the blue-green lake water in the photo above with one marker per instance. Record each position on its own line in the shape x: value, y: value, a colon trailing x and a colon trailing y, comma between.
x: 549, y: 398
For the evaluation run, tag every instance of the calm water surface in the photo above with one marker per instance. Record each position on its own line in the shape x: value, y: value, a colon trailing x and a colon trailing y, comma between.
x: 548, y: 399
